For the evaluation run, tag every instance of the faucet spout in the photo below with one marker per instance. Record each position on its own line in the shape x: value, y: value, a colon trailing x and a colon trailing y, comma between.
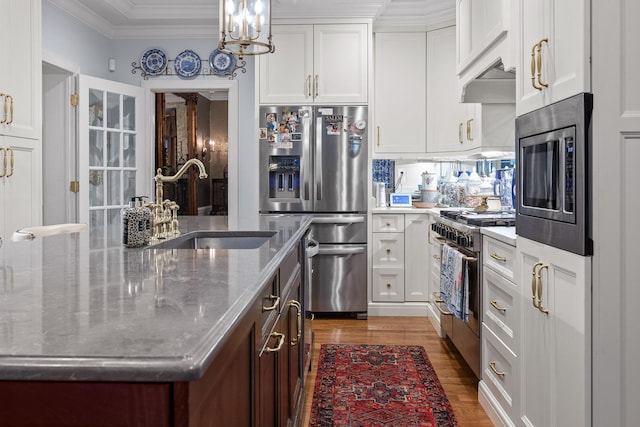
x: 161, y: 178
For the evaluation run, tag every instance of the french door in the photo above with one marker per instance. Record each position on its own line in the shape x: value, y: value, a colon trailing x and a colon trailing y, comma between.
x: 111, y: 166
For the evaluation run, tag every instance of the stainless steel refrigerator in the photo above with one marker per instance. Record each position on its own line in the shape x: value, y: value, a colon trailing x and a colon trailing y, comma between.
x: 313, y: 160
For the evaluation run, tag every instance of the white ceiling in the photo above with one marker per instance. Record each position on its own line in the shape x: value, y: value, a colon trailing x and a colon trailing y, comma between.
x: 130, y: 19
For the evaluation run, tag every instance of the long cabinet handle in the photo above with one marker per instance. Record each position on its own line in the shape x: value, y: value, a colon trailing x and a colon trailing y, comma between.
x: 469, y: 138
x: 4, y: 108
x: 460, y: 133
x: 317, y: 84
x: 278, y: 347
x: 539, y: 62
x: 309, y: 85
x: 498, y: 257
x: 492, y: 365
x: 539, y: 276
x: 10, y: 151
x: 533, y: 68
x: 495, y: 305
x: 534, y: 282
x: 378, y: 136
x: 10, y: 109
x: 298, y: 307
x: 275, y: 305
x: 4, y: 162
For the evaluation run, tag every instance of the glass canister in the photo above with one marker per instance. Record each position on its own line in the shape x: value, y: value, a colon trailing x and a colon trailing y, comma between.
x: 448, y: 190
x: 474, y: 182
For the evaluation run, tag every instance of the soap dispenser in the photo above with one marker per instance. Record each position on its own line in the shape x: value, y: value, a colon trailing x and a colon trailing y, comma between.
x: 136, y: 224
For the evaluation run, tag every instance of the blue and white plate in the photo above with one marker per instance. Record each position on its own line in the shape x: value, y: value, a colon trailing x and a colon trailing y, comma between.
x: 187, y: 64
x: 153, y: 62
x: 221, y: 62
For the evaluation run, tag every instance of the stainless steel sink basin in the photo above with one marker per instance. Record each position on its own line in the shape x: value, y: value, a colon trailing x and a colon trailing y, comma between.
x: 217, y: 240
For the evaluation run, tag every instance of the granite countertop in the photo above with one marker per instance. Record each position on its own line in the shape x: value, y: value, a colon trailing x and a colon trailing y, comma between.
x: 75, y: 307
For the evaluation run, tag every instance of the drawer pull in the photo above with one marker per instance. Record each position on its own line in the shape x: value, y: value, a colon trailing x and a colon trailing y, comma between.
x: 492, y: 365
x: 280, y: 343
x: 498, y: 257
x: 388, y: 285
x: 495, y: 305
x: 388, y: 224
x: 293, y: 303
x: 388, y: 250
x: 436, y: 257
x: 275, y: 304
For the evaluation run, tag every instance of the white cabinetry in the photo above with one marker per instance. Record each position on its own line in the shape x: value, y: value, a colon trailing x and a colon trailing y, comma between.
x: 400, y: 265
x: 553, y: 52
x: 400, y: 92
x: 499, y: 388
x: 321, y: 64
x: 556, y: 335
x: 454, y: 127
x: 433, y: 281
x: 484, y: 38
x: 20, y: 116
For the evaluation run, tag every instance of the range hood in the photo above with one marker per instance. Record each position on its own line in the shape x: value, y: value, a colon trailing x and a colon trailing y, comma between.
x: 493, y: 86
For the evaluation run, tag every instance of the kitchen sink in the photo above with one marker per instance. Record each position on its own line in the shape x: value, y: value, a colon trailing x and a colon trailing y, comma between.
x: 217, y: 240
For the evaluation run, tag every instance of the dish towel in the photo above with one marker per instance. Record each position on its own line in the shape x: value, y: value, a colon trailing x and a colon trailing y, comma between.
x: 454, y: 282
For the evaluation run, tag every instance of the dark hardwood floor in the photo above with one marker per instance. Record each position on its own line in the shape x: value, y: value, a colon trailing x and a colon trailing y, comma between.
x: 456, y: 377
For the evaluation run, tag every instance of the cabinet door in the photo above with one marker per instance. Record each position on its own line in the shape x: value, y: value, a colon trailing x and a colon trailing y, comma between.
x: 560, y: 29
x: 417, y: 261
x: 20, y: 69
x: 556, y: 356
x: 401, y: 92
x: 21, y: 185
x: 286, y: 76
x: 530, y: 17
x: 446, y: 116
x: 340, y: 63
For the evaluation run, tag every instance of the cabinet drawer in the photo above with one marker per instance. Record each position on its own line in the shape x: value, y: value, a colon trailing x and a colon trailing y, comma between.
x: 501, y: 305
x: 500, y: 373
x: 499, y: 256
x: 388, y: 223
x: 388, y: 250
x: 388, y: 284
x: 288, y: 269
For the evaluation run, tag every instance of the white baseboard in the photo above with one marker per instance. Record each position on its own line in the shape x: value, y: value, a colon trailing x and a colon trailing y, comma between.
x: 494, y: 411
x: 398, y: 309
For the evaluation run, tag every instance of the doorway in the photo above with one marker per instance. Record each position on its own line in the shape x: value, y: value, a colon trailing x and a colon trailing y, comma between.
x: 194, y: 125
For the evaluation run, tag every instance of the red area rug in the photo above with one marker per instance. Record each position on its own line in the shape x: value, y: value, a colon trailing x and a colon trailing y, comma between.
x: 378, y: 386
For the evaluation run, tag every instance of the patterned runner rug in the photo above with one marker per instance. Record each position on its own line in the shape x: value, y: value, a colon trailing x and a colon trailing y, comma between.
x: 378, y: 386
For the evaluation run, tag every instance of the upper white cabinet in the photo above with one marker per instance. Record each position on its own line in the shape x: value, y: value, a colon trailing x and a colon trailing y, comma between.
x: 20, y: 69
x: 20, y: 116
x: 484, y: 39
x: 556, y: 335
x: 321, y: 64
x: 400, y: 62
x: 553, y: 52
x: 447, y: 118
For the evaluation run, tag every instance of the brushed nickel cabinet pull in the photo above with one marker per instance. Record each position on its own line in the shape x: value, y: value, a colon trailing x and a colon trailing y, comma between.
x: 540, y: 307
x: 498, y: 257
x: 275, y: 304
x: 278, y: 347
x: 495, y: 305
x: 533, y: 282
x: 309, y: 85
x: 533, y: 68
x: 492, y: 365
x: 317, y: 83
x: 540, y: 82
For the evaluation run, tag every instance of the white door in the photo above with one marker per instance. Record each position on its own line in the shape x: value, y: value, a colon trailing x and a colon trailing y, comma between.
x: 110, y: 161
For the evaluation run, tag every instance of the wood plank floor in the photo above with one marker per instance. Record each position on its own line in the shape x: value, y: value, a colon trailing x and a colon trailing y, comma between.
x: 456, y: 377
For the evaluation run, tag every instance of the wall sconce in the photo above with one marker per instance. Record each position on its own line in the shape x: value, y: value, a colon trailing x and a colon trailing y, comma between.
x: 245, y: 27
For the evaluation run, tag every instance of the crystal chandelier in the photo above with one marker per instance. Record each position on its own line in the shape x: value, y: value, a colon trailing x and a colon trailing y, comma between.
x: 245, y: 27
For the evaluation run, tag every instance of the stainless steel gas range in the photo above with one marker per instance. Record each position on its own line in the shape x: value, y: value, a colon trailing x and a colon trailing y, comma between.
x: 459, y: 229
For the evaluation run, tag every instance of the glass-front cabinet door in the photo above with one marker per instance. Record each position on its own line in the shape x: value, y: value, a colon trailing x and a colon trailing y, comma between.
x: 110, y: 157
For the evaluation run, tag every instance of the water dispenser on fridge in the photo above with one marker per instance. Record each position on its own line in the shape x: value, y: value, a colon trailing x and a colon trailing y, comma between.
x: 284, y: 177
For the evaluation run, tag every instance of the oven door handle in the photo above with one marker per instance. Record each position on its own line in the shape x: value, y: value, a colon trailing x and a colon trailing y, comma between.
x: 445, y: 312
x: 341, y: 251
x: 313, y: 248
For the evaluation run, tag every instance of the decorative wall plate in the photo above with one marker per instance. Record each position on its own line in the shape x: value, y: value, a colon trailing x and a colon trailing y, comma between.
x: 153, y: 62
x: 221, y: 62
x: 187, y: 64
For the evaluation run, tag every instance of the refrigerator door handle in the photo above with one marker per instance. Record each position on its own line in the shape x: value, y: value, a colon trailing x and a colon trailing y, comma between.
x: 333, y: 220
x: 341, y: 251
x: 306, y: 154
x: 318, y: 159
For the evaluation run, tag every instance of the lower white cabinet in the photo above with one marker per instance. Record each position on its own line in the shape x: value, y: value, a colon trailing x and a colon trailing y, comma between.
x: 555, y: 344
x: 499, y: 388
x: 400, y: 250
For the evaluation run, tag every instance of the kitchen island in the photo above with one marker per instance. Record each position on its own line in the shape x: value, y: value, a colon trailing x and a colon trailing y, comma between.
x: 142, y: 336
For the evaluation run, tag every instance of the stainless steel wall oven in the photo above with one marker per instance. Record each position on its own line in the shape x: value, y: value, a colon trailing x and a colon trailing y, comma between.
x: 553, y: 174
